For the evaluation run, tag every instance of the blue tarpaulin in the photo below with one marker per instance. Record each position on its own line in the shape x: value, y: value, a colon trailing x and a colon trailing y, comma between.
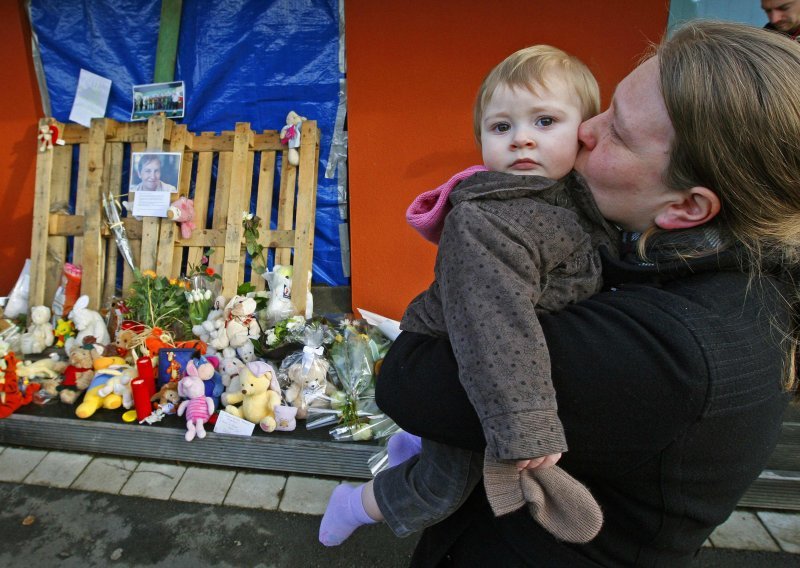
x: 241, y: 61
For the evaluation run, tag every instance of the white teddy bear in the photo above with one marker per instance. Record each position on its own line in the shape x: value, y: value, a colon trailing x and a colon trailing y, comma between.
x: 209, y: 331
x: 40, y: 332
x: 241, y: 324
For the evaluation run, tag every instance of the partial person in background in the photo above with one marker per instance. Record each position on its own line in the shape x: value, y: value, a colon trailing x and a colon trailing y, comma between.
x: 784, y: 16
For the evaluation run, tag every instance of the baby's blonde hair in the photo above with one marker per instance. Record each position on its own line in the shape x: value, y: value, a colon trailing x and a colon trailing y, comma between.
x: 533, y: 66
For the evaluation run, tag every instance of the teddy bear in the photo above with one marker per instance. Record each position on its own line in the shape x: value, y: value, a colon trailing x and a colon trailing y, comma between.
x: 198, y: 407
x: 214, y: 326
x: 78, y: 373
x: 241, y: 324
x: 40, y: 332
x: 124, y: 340
x: 45, y: 138
x: 88, y: 323
x: 280, y: 304
x: 246, y: 352
x: 307, y: 383
x: 290, y: 135
x: 257, y: 398
x: 182, y: 212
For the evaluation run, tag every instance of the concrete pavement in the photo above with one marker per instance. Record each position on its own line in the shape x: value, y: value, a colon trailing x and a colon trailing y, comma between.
x: 75, y: 509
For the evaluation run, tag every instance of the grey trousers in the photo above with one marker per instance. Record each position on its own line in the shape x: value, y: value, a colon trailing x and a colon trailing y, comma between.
x: 428, y: 487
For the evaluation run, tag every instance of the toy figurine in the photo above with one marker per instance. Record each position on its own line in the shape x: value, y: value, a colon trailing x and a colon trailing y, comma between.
x: 290, y: 135
x: 40, y: 332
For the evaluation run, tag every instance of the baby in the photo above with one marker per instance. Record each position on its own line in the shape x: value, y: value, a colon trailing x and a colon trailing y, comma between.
x: 521, y: 236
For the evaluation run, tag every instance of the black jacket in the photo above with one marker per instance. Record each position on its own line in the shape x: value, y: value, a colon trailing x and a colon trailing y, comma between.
x: 669, y: 389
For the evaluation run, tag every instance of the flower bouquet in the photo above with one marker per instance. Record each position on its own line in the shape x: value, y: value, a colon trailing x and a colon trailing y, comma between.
x: 158, y: 302
x: 353, y: 408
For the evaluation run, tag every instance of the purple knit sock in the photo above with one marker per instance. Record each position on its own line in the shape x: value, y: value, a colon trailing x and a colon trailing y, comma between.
x: 402, y: 446
x: 344, y: 514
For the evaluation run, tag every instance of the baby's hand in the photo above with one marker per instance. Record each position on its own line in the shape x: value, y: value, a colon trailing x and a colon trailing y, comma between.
x: 542, y: 462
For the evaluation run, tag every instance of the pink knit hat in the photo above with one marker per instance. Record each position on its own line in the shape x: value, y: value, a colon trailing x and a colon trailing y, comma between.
x: 427, y: 212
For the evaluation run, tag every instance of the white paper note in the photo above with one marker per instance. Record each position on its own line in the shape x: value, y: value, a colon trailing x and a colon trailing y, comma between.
x: 91, y: 98
x: 230, y: 424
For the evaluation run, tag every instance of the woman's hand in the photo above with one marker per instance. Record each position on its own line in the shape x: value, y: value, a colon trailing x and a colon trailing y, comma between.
x: 539, y: 463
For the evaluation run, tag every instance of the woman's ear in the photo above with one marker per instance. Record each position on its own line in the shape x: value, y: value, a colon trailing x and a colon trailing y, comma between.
x: 691, y: 208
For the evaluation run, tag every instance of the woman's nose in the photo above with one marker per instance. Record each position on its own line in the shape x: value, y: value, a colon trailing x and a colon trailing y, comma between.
x: 586, y: 133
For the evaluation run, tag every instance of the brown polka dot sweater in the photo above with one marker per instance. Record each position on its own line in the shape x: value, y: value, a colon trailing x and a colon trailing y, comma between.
x: 511, y: 246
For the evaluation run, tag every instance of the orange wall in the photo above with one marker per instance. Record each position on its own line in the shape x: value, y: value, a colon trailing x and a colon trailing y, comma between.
x: 20, y: 109
x: 413, y: 68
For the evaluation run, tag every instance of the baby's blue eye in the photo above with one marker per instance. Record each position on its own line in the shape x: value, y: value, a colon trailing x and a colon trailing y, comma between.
x: 501, y: 127
x: 545, y: 121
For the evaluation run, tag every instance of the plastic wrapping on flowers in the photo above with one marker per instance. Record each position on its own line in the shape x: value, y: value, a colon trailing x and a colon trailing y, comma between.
x: 353, y: 410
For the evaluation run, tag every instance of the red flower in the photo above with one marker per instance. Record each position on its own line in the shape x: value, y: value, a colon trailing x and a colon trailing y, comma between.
x: 210, y: 271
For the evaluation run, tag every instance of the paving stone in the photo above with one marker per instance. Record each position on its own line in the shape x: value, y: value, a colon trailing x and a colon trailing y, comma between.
x: 153, y: 480
x: 256, y: 491
x: 204, y: 485
x: 58, y: 469
x: 306, y: 495
x: 784, y: 527
x: 743, y: 531
x: 106, y: 475
x: 16, y: 463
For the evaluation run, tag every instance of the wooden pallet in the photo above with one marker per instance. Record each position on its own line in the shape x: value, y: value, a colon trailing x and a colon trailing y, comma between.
x: 68, y: 215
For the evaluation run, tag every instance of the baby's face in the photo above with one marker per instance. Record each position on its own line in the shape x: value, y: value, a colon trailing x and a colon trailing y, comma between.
x: 531, y: 133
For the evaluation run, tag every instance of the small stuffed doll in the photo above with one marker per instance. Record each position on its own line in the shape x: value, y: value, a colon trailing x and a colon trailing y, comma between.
x: 182, y: 212
x: 63, y: 331
x: 198, y: 407
x: 166, y: 400
x: 290, y: 135
x: 45, y: 138
x: 285, y: 416
x: 40, y: 332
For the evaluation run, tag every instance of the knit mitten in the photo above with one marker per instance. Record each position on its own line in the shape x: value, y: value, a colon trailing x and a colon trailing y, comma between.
x: 556, y: 500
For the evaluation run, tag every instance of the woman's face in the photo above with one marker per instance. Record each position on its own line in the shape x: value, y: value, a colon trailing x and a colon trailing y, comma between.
x: 625, y: 151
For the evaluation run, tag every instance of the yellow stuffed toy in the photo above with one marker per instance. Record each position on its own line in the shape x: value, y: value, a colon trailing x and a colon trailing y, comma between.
x: 109, y: 368
x: 257, y: 398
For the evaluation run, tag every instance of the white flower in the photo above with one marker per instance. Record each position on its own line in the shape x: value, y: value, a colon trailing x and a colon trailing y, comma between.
x: 207, y: 294
x: 272, y: 339
x: 247, y: 216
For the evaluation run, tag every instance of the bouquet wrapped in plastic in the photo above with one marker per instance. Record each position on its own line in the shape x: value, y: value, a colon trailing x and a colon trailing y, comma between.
x: 353, y: 411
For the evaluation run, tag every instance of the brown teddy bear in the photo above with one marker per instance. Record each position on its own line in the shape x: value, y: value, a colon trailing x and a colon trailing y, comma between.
x: 79, y: 372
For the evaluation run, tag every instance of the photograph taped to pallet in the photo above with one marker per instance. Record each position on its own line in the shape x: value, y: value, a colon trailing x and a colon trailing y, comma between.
x: 158, y: 98
x: 154, y: 176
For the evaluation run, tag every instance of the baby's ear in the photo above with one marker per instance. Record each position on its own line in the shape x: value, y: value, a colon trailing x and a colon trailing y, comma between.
x: 690, y: 208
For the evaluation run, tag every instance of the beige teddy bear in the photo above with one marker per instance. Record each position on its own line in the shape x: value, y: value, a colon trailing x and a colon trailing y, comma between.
x: 309, y: 382
x: 241, y: 323
x: 257, y: 398
x: 78, y: 374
